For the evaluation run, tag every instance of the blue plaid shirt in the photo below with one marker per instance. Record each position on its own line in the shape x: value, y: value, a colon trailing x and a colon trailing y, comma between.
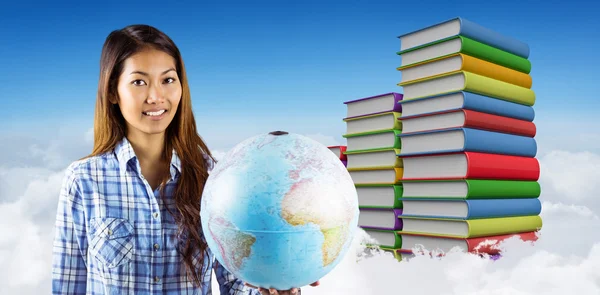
x: 114, y: 234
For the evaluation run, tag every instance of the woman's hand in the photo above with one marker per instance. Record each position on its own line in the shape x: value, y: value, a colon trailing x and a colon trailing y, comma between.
x: 272, y: 291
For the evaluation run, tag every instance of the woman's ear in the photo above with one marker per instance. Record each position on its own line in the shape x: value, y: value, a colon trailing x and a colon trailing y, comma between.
x: 113, y: 98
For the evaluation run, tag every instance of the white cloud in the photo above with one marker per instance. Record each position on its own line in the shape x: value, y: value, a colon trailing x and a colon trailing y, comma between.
x: 571, y: 177
x: 565, y: 260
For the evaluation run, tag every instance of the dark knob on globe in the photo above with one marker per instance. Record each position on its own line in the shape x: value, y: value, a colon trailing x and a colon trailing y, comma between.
x: 278, y: 133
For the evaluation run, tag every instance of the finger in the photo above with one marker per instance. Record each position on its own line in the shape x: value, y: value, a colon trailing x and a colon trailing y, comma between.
x: 315, y: 284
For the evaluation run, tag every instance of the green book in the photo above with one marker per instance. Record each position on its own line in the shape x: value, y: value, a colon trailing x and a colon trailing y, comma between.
x: 373, y: 140
x: 461, y: 44
x: 470, y: 189
x: 379, y: 196
x: 384, y: 238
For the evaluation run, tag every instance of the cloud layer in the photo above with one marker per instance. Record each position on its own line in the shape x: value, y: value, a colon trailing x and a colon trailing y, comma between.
x: 566, y: 259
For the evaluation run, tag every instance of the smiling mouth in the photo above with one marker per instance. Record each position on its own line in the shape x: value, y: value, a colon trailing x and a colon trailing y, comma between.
x: 154, y: 114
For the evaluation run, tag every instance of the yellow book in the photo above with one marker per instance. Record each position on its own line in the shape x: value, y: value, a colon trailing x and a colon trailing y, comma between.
x: 470, y: 82
x: 376, y: 175
x: 373, y: 122
x: 463, y: 62
x: 472, y: 228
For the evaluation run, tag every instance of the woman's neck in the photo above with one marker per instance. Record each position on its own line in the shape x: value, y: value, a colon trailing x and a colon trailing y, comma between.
x: 149, y: 151
x: 148, y: 147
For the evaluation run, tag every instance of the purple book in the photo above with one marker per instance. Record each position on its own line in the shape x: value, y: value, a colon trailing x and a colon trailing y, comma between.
x: 382, y: 103
x: 345, y: 162
x: 380, y: 218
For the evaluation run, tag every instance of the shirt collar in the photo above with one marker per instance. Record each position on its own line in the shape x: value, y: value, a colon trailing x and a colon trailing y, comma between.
x: 125, y: 153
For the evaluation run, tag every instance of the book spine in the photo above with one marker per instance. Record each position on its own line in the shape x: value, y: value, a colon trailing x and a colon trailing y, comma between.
x: 498, y: 89
x: 397, y: 105
x: 503, y: 225
x: 495, y: 71
x: 499, y: 143
x: 495, y: 55
x: 491, y: 105
x: 479, y: 120
x: 503, y: 208
x: 488, y: 189
x: 495, y: 166
x: 484, y: 35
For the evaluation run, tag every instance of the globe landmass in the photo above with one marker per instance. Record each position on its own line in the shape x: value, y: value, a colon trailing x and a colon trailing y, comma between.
x: 233, y: 245
x: 296, y: 210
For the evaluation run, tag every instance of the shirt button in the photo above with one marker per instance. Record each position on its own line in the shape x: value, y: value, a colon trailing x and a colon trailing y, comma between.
x: 155, y: 215
x: 156, y: 247
x: 156, y: 279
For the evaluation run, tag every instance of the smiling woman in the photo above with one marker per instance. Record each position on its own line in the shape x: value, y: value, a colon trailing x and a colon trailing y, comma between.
x: 128, y: 218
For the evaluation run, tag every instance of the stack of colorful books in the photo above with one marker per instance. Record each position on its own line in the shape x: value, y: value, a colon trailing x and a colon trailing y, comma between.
x: 372, y: 147
x: 470, y: 175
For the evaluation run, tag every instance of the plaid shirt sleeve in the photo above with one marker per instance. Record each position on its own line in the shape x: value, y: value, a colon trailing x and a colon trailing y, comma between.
x: 69, y: 270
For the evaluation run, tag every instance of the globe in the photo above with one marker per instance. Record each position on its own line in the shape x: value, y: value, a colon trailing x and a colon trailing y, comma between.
x: 279, y: 210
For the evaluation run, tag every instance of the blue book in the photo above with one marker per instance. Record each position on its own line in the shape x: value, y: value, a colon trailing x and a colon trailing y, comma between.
x: 469, y: 29
x: 470, y: 209
x: 466, y: 140
x: 468, y: 101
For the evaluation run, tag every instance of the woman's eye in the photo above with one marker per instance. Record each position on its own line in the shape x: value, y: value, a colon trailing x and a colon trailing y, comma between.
x: 138, y: 82
x: 170, y: 80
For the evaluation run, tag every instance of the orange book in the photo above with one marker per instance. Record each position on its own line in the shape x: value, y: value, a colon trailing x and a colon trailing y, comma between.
x: 462, y: 62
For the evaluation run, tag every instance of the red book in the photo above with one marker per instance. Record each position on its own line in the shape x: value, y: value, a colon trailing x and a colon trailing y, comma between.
x: 483, y: 245
x: 339, y: 151
x: 467, y: 119
x: 470, y: 165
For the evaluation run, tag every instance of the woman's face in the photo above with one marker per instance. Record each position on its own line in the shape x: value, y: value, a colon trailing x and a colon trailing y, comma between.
x: 149, y: 92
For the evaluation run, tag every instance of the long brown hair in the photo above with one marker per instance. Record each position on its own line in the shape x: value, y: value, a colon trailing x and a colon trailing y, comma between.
x: 181, y: 135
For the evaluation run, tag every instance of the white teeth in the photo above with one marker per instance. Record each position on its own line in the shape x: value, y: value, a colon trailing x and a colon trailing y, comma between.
x: 155, y: 113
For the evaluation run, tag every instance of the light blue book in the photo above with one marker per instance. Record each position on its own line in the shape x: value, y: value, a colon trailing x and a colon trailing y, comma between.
x: 470, y: 209
x: 468, y: 101
x: 469, y: 29
x: 466, y: 140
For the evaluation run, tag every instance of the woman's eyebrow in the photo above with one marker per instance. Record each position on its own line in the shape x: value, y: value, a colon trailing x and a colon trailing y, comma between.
x: 146, y: 74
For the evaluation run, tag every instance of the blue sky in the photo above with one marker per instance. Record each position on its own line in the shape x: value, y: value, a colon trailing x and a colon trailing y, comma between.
x: 278, y: 64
